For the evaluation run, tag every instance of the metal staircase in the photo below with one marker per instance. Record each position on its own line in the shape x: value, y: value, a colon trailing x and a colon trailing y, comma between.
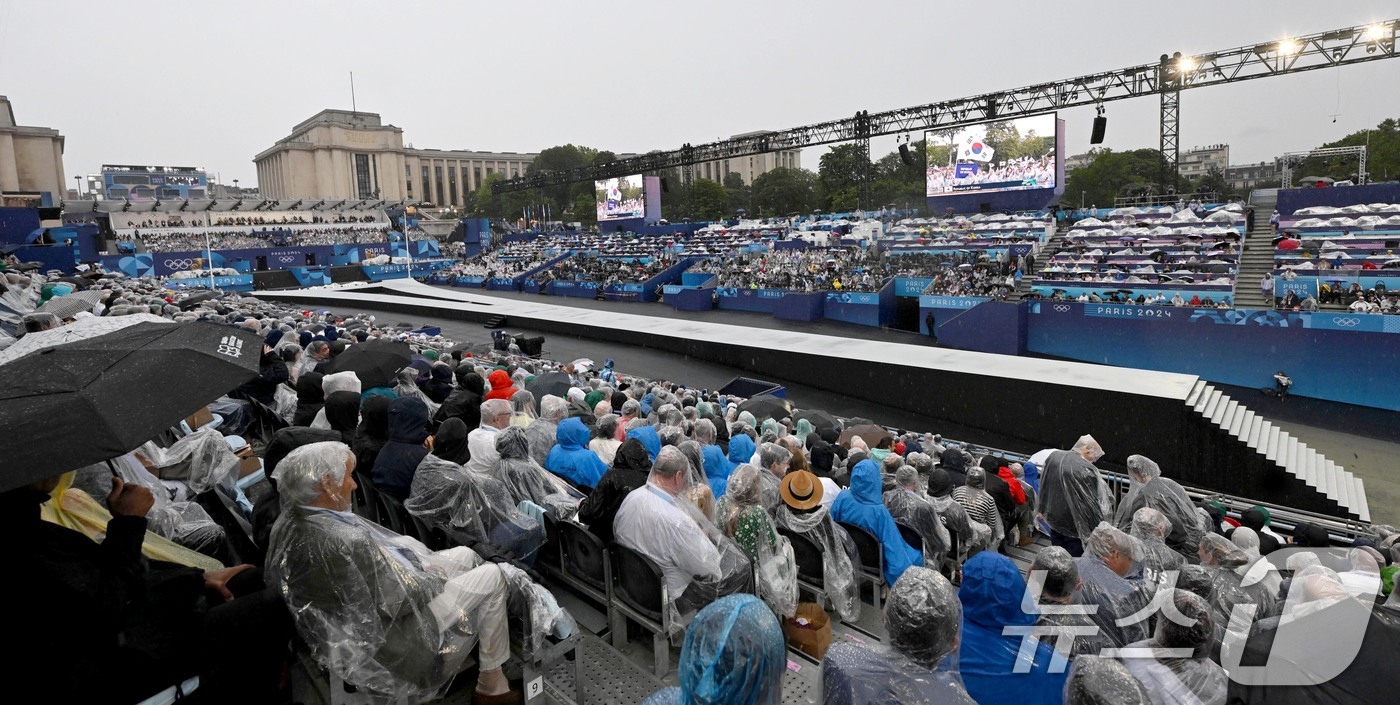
x: 1273, y: 446
x: 1257, y: 255
x: 1042, y: 258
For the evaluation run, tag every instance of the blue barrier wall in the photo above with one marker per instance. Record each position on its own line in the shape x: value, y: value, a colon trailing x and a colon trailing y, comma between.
x: 669, y: 275
x: 991, y: 326
x: 17, y: 223
x: 801, y: 306
x: 756, y: 300
x: 61, y: 257
x: 692, y: 299
x: 943, y: 309
x: 996, y: 201
x: 577, y: 290
x: 696, y: 278
x: 1341, y: 357
x: 1290, y: 200
x: 861, y: 307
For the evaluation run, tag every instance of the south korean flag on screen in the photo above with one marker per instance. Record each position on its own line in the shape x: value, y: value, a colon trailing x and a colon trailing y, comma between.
x: 974, y: 149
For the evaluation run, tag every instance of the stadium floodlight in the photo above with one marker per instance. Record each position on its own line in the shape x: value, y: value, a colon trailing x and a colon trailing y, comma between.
x: 1186, y: 64
x: 1375, y: 32
x: 1288, y: 47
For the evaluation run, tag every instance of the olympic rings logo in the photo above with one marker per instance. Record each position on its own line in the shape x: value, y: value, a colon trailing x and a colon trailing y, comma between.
x: 179, y: 263
x: 1061, y: 308
x: 287, y: 258
x: 1347, y: 322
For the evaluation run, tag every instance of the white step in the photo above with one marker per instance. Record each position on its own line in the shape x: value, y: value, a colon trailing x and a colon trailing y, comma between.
x: 1221, y: 410
x: 1344, y: 484
x: 1237, y: 425
x: 1305, y: 468
x: 1271, y: 445
x: 1231, y: 410
x: 1197, y: 390
x: 1328, y: 485
x: 1200, y: 405
x: 1254, y: 437
x: 1212, y: 403
x: 1360, y: 507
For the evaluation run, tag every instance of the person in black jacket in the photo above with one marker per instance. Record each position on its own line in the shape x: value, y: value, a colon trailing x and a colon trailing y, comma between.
x: 465, y: 402
x: 271, y: 372
x: 398, y: 459
x: 373, y: 431
x: 631, y: 465
x: 310, y: 398
x: 438, y: 385
x: 97, y: 622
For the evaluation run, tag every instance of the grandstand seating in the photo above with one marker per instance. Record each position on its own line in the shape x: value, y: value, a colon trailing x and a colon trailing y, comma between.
x: 1342, y: 256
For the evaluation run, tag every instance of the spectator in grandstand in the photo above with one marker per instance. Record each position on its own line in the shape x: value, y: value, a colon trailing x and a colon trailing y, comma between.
x: 630, y: 470
x: 1109, y: 556
x: 1103, y: 681
x: 481, y: 442
x: 964, y: 532
x: 527, y: 481
x: 1070, y: 491
x: 476, y: 510
x: 603, y: 442
x: 775, y: 461
x: 1068, y: 626
x: 543, y: 431
x: 994, y: 670
x: 923, y: 618
x: 408, y: 443
x: 910, y: 507
x: 1150, y: 489
x: 862, y: 506
x: 338, y: 573
x: 373, y: 431
x: 1170, y: 677
x: 465, y: 401
x: 501, y: 385
x: 733, y: 654
x: 271, y: 372
x: 1150, y: 528
x: 741, y: 517
x: 570, y: 457
x: 981, y: 508
x: 310, y: 398
x: 653, y: 520
x: 146, y: 625
x: 438, y: 385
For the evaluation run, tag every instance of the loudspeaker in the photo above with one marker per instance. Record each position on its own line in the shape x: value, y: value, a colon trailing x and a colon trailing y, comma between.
x: 665, y: 185
x: 905, y: 156
x: 1100, y: 124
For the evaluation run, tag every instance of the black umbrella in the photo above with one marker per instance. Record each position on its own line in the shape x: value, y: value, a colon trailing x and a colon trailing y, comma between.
x: 555, y: 383
x: 767, y: 406
x: 818, y: 418
x: 195, y: 299
x: 95, y: 399
x: 375, y: 362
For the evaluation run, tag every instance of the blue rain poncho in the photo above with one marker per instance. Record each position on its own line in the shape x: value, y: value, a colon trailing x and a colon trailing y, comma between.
x: 734, y: 654
x: 570, y: 457
x: 717, y: 469
x: 991, y: 594
x: 863, y: 506
x: 741, y: 450
x: 646, y: 435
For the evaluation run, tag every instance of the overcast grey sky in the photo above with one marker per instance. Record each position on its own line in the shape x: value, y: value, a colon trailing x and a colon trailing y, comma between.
x: 212, y: 84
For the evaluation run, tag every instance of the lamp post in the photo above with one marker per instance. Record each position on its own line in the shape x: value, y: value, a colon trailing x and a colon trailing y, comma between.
x: 235, y: 187
x: 78, y: 191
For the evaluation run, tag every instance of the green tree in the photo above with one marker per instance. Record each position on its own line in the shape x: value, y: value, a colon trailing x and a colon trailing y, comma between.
x: 784, y: 190
x: 740, y: 194
x: 838, y: 177
x: 1382, y: 155
x: 1111, y: 174
x: 902, y: 184
x: 1213, y: 181
x: 707, y: 200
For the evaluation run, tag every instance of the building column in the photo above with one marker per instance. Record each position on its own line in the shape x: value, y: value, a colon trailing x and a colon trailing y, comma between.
x: 9, y: 168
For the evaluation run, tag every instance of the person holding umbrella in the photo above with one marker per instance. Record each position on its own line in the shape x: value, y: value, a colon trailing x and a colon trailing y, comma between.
x: 144, y: 626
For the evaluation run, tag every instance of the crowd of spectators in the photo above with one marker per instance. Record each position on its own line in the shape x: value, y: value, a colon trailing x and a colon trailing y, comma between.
x: 506, y: 261
x: 189, y: 240
x: 1347, y: 253
x: 711, y: 489
x: 607, y: 269
x: 812, y: 269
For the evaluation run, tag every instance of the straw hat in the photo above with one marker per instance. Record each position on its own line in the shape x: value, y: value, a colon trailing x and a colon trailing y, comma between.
x: 801, y: 490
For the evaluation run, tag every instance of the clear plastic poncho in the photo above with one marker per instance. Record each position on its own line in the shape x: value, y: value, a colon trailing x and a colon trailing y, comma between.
x: 526, y: 480
x: 184, y: 521
x: 373, y: 607
x: 854, y: 674
x: 1073, y: 497
x: 1167, y: 497
x: 1226, y: 564
x: 1157, y: 559
x: 406, y: 385
x: 201, y: 460
x: 838, y: 556
x: 522, y: 409
x: 1116, y: 596
x: 741, y: 516
x: 472, y: 509
x: 916, y: 512
x: 1170, y: 677
x: 1103, y: 681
